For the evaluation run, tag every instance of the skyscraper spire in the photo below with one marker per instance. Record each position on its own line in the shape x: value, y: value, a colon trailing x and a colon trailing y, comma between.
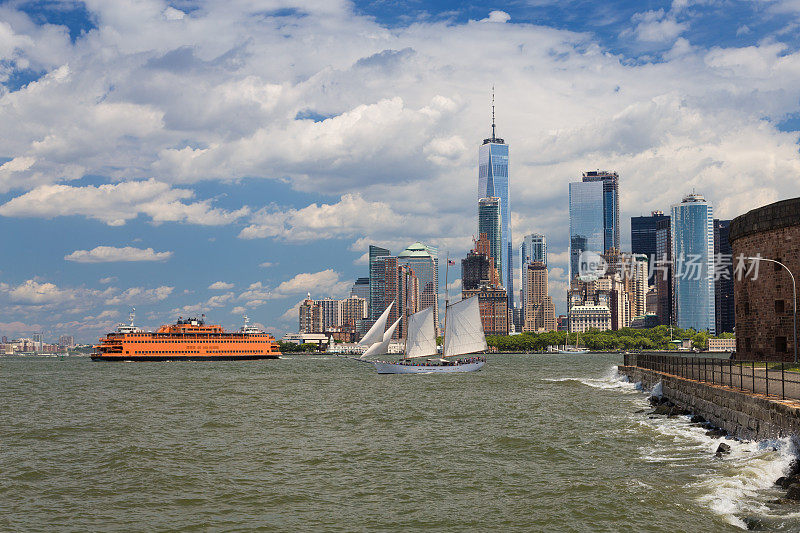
x: 494, y: 138
x: 493, y: 132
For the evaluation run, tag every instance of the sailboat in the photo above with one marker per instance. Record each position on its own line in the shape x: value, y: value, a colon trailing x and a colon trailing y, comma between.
x: 463, y: 335
x: 575, y: 350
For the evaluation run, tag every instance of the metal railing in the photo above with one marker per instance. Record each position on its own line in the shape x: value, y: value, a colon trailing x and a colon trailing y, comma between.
x: 770, y: 378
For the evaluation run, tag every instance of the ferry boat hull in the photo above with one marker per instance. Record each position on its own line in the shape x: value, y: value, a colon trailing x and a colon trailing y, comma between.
x: 127, y: 358
x: 397, y: 368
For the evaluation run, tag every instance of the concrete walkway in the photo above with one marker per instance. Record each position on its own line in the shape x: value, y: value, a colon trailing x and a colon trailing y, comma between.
x: 739, y: 375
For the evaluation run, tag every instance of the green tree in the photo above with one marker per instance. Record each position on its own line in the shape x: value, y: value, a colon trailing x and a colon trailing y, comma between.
x: 700, y: 340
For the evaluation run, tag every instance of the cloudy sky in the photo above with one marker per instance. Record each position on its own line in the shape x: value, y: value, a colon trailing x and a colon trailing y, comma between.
x: 226, y: 157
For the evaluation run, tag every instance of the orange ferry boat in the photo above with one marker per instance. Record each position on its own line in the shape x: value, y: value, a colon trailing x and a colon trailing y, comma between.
x: 186, y: 340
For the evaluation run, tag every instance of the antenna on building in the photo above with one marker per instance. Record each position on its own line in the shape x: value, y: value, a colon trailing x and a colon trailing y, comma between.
x: 493, y: 126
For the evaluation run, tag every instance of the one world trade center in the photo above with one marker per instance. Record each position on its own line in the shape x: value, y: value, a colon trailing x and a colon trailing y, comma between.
x: 493, y: 182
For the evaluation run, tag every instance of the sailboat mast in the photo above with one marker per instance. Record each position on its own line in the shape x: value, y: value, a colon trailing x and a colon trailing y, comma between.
x: 446, y: 299
x: 407, y: 274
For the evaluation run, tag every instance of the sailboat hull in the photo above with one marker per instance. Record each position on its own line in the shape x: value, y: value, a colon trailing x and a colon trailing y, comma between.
x: 396, y: 368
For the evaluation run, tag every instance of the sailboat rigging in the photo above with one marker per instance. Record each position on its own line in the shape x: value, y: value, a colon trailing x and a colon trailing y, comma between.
x: 463, y: 335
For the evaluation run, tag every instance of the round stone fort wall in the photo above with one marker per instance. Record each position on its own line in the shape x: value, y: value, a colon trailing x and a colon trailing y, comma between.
x: 763, y: 303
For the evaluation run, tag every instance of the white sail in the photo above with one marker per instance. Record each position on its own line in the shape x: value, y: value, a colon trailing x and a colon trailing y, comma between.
x: 421, y: 338
x: 382, y: 347
x: 464, y: 333
x: 375, y: 333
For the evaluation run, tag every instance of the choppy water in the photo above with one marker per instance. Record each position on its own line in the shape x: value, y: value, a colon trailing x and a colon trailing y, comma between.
x: 544, y: 442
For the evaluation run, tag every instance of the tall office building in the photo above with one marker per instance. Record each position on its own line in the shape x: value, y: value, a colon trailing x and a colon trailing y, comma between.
x: 354, y: 310
x: 540, y: 312
x: 310, y: 315
x: 493, y: 182
x: 532, y: 250
x: 489, y: 225
x: 643, y: 237
x: 610, y: 181
x: 477, y: 269
x: 423, y: 260
x: 693, y: 264
x: 662, y: 271
x: 331, y: 312
x: 376, y: 281
x: 586, y: 229
x: 361, y: 288
x: 480, y: 278
x: 383, y: 286
x: 638, y: 284
x: 723, y: 284
x: 64, y: 340
x: 407, y: 297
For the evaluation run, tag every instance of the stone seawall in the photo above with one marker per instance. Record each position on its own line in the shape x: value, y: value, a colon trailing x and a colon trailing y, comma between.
x: 741, y: 414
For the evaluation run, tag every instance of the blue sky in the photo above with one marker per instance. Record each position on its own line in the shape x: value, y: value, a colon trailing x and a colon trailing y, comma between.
x: 228, y: 157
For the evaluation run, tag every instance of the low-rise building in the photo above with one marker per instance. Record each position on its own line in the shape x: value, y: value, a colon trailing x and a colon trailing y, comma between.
x: 582, y: 318
x: 320, y: 339
x: 722, y: 345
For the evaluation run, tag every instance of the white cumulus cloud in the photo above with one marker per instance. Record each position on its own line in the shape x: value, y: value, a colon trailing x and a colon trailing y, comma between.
x: 110, y: 254
x: 115, y: 204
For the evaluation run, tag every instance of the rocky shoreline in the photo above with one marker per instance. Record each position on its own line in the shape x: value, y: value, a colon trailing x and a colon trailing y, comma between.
x: 790, y: 482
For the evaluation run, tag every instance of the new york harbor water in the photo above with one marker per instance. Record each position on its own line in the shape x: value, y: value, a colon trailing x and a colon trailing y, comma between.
x: 531, y: 443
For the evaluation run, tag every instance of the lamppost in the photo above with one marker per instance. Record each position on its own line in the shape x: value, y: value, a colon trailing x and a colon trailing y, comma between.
x: 794, y: 298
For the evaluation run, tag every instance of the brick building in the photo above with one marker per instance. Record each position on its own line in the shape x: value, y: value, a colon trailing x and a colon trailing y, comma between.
x: 763, y: 306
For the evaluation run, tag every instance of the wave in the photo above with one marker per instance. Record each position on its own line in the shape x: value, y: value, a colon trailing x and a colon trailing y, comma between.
x: 610, y: 380
x: 737, y: 487
x: 748, y: 475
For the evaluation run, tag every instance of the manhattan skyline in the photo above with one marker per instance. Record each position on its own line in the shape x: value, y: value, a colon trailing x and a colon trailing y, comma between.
x: 211, y: 158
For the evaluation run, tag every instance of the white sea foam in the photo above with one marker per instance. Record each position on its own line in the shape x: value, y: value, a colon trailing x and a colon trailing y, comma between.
x: 737, y: 485
x: 740, y: 486
x: 610, y: 380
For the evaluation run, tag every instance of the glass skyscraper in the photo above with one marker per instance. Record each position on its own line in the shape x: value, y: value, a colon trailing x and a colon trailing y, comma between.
x: 725, y: 311
x: 693, y: 264
x: 377, y: 282
x: 489, y: 223
x: 532, y: 250
x: 586, y: 221
x: 610, y: 203
x: 493, y: 182
x: 643, y: 237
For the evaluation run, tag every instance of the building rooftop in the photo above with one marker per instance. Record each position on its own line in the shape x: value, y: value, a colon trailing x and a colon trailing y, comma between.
x: 694, y: 197
x: 418, y: 250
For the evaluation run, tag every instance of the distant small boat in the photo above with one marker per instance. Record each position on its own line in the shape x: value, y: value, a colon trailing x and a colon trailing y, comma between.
x: 574, y: 350
x: 571, y: 350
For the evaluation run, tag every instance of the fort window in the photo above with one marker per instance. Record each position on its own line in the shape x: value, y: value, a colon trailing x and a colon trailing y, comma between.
x: 780, y: 307
x: 780, y: 344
